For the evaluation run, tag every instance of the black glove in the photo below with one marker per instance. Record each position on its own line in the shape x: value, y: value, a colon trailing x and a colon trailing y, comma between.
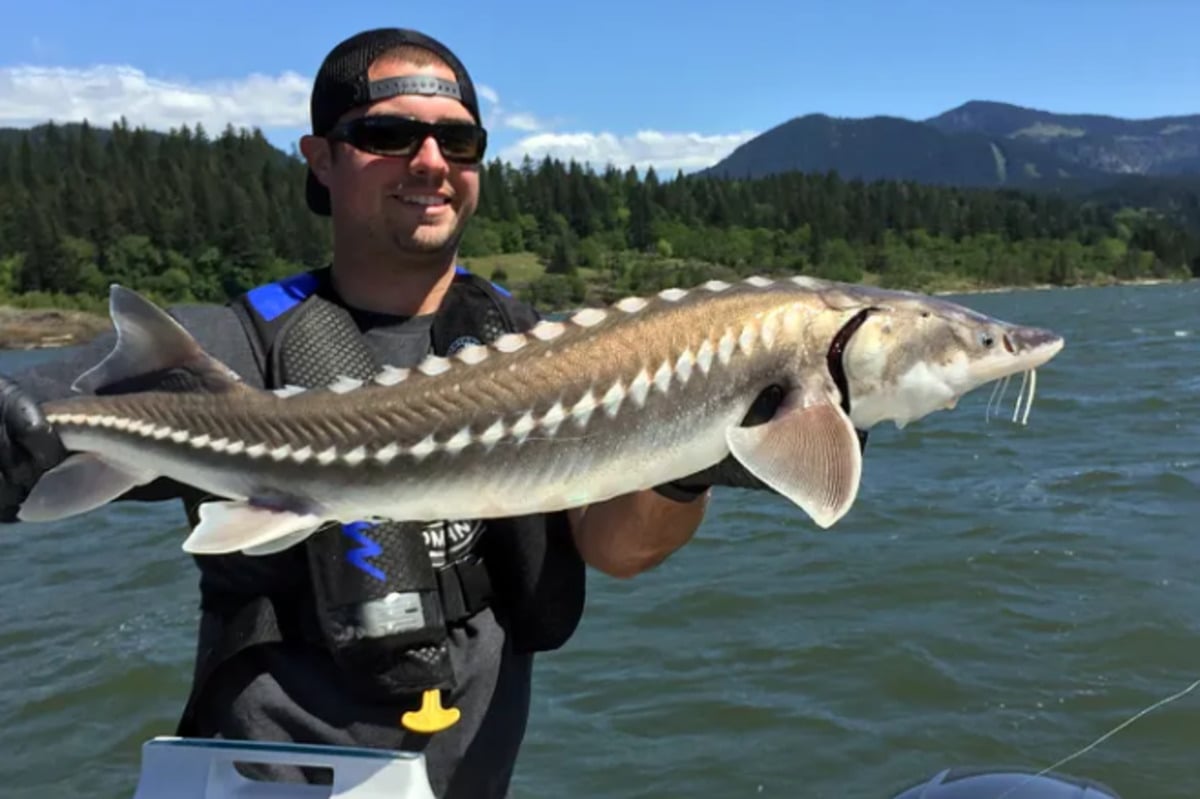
x: 728, y: 471
x: 28, y: 447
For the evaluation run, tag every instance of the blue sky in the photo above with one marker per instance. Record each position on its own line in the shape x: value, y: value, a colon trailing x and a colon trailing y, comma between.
x: 665, y: 82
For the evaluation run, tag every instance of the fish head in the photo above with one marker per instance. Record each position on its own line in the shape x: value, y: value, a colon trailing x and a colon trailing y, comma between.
x: 913, y: 355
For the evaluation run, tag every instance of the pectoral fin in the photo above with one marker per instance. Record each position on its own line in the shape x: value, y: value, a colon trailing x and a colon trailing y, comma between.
x: 234, y: 526
x: 81, y: 483
x: 279, y: 544
x: 808, y: 451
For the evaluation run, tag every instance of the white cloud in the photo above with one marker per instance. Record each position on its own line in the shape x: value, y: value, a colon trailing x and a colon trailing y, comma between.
x: 523, y: 122
x: 667, y: 152
x: 496, y: 116
x: 103, y: 94
x: 31, y: 95
x: 487, y: 93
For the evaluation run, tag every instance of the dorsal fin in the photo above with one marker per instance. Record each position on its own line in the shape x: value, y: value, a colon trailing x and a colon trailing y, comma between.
x: 153, y: 352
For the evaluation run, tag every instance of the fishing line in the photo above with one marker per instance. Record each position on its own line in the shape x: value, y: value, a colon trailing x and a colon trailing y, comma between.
x: 1160, y: 703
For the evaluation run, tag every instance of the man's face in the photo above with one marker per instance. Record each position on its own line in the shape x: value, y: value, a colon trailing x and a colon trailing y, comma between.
x: 411, y: 205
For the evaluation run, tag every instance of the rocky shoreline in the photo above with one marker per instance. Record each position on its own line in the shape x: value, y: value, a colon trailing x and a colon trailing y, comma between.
x: 42, y: 328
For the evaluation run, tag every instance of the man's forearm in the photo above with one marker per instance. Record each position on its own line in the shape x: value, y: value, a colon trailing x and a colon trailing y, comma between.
x: 630, y: 534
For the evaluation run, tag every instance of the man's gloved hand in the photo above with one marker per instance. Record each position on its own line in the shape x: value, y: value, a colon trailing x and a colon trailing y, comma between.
x: 28, y: 447
x: 728, y: 471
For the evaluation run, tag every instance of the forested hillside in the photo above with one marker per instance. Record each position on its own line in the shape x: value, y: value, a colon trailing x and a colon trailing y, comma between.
x: 189, y: 215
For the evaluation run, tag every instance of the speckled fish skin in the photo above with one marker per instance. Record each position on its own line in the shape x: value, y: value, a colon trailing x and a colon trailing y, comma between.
x: 572, y: 412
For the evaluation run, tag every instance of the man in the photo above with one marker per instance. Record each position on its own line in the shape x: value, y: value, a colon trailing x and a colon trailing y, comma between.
x: 287, y: 646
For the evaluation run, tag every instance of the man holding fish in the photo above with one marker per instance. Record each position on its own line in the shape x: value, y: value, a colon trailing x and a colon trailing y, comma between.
x: 320, y: 429
x: 394, y: 159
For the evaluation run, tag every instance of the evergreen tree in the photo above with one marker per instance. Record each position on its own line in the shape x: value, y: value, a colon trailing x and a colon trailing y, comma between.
x: 187, y: 215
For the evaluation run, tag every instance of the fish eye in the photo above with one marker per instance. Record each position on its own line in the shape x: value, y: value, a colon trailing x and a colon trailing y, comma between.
x: 987, y: 340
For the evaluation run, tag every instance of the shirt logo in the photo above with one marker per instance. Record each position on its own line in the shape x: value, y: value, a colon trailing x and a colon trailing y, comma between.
x: 449, y: 541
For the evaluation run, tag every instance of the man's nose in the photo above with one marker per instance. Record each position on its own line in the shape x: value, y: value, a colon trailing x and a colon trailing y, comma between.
x: 428, y: 157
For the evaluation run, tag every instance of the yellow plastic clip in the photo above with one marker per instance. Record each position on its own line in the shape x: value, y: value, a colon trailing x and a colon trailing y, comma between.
x: 432, y: 717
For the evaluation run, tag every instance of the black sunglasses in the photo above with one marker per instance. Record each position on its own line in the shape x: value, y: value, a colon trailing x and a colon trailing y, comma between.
x: 389, y: 135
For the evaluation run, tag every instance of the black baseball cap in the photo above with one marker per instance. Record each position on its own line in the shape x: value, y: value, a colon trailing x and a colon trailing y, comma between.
x: 342, y: 84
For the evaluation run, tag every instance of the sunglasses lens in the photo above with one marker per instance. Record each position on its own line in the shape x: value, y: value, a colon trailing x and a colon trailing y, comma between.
x: 460, y: 142
x: 387, y: 135
x: 399, y: 136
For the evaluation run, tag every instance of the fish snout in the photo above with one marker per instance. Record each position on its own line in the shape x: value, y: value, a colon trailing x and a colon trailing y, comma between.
x: 1033, y: 341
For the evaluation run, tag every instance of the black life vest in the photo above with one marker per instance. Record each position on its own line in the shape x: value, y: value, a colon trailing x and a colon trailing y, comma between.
x: 370, y: 594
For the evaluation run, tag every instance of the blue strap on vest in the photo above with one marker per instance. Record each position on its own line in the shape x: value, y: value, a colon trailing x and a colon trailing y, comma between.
x: 271, y: 300
x: 274, y: 299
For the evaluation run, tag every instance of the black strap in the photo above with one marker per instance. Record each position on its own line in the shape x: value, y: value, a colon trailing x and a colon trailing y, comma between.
x: 465, y: 589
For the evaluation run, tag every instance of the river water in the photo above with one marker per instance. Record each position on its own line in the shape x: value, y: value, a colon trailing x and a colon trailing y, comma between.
x: 998, y: 595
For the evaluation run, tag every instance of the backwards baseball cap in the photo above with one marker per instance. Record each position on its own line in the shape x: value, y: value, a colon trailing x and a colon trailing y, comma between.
x: 342, y: 85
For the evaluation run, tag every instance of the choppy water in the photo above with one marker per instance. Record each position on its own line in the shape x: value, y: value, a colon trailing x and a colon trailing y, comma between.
x: 999, y: 595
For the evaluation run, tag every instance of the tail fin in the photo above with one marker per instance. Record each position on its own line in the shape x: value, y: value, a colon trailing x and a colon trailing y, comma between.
x: 152, y: 351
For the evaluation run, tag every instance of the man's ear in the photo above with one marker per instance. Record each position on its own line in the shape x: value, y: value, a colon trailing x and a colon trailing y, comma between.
x: 315, y: 150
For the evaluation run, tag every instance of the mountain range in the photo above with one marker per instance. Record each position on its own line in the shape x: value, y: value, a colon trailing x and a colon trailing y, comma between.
x: 977, y: 144
x: 1151, y: 163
